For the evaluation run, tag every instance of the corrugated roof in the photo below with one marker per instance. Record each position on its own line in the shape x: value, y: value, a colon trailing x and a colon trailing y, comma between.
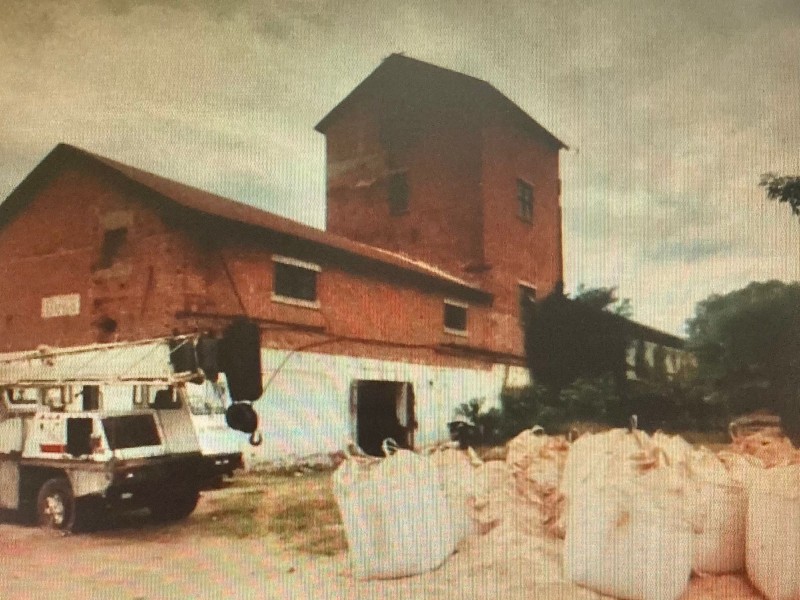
x: 400, y: 72
x: 213, y: 205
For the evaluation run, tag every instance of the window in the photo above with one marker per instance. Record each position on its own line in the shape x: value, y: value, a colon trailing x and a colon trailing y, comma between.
x: 527, y: 295
x: 20, y: 400
x: 54, y: 398
x: 398, y: 194
x: 90, y: 397
x: 295, y: 281
x: 525, y: 200
x: 455, y: 317
x: 131, y: 431
x: 205, y: 398
x: 113, y: 240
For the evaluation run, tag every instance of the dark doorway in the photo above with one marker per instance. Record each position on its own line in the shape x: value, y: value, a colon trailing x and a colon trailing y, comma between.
x: 383, y: 409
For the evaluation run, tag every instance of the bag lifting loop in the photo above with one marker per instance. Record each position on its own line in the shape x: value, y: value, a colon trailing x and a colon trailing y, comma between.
x: 389, y: 446
x: 256, y: 438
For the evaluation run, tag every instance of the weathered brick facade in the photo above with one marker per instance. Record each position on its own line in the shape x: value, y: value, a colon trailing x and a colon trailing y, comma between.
x: 462, y: 149
x: 147, y: 257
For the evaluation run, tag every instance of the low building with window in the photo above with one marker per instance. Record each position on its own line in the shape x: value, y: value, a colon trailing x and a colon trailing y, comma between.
x: 443, y: 214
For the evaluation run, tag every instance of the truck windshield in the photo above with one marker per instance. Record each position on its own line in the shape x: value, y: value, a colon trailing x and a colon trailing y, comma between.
x: 205, y: 398
x: 131, y: 431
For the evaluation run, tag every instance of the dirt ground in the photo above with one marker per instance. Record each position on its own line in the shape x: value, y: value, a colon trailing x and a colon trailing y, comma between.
x: 137, y: 560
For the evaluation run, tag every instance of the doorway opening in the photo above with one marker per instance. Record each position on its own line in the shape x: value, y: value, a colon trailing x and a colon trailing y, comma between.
x: 381, y: 410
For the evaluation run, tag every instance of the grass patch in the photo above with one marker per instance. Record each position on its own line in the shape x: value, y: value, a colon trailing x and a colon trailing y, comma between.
x: 236, y: 516
x: 300, y: 510
x: 311, y: 525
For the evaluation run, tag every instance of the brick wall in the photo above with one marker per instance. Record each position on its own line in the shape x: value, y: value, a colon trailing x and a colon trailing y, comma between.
x: 440, y: 155
x: 515, y: 248
x: 53, y: 247
x: 463, y: 211
x: 178, y: 273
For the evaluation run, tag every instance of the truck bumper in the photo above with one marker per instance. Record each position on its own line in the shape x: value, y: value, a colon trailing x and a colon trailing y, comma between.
x: 142, y: 478
x: 216, y: 465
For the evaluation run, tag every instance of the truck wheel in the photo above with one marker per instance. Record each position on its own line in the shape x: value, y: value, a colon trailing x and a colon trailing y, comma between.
x: 174, y: 506
x: 55, y: 505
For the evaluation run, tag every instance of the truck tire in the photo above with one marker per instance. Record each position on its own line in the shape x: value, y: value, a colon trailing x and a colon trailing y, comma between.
x: 174, y: 505
x: 56, y: 506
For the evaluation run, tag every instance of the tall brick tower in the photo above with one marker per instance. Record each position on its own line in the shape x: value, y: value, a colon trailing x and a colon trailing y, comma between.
x: 444, y: 168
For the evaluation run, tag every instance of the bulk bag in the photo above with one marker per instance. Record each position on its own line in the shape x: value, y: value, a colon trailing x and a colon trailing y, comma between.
x: 457, y: 479
x: 719, y: 502
x: 590, y: 454
x: 524, y: 447
x: 771, y: 450
x: 773, y: 532
x: 627, y: 534
x: 395, y: 515
x: 676, y: 449
x: 536, y: 461
x: 494, y: 494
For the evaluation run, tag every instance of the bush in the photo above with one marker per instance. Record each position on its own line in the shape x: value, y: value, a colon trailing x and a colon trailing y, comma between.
x: 486, y: 422
x: 523, y: 408
x: 668, y: 405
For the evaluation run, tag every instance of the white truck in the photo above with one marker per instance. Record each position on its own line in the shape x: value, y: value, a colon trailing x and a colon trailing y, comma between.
x: 113, y: 426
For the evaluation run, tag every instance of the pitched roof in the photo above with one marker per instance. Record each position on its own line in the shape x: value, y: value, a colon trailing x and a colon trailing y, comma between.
x: 208, y: 204
x: 406, y: 79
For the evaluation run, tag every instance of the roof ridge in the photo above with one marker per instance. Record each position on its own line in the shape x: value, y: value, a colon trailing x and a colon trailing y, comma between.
x: 398, y: 60
x: 215, y: 205
x: 434, y: 66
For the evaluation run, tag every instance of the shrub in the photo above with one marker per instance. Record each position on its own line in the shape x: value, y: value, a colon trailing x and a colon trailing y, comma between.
x: 486, y: 422
x: 668, y: 405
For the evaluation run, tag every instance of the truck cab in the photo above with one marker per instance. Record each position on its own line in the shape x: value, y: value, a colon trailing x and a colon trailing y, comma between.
x: 75, y: 443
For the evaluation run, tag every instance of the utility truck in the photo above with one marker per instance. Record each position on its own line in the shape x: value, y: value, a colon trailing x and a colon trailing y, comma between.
x: 110, y: 426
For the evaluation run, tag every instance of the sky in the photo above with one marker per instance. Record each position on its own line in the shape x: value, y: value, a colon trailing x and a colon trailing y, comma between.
x: 672, y: 111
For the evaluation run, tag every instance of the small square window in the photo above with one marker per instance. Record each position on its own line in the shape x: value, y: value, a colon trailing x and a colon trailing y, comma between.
x: 398, y: 194
x: 113, y: 240
x: 295, y: 281
x: 455, y: 317
x: 525, y: 200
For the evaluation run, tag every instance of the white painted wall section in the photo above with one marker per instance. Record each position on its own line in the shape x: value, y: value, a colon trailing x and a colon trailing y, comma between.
x: 305, y: 408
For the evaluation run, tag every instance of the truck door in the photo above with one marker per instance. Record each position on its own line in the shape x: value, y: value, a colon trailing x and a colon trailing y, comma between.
x: 175, y: 419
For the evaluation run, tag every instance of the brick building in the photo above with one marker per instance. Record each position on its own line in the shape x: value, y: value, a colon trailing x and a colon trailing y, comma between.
x: 443, y: 209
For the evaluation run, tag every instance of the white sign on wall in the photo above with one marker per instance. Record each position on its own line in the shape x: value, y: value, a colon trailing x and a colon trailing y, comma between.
x: 65, y: 305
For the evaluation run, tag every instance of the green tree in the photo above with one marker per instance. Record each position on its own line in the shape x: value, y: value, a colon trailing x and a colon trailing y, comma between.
x: 567, y: 339
x: 748, y: 343
x: 604, y: 298
x: 786, y: 188
x: 783, y: 188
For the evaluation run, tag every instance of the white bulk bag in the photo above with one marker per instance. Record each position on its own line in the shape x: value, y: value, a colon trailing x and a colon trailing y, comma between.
x: 719, y: 503
x: 591, y: 451
x: 590, y: 454
x: 627, y: 534
x: 536, y: 461
x: 773, y: 532
x: 523, y: 449
x: 494, y: 494
x: 675, y: 448
x: 457, y: 478
x: 395, y: 515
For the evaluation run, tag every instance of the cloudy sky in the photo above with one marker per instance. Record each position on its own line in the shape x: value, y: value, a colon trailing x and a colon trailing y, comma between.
x: 672, y: 111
